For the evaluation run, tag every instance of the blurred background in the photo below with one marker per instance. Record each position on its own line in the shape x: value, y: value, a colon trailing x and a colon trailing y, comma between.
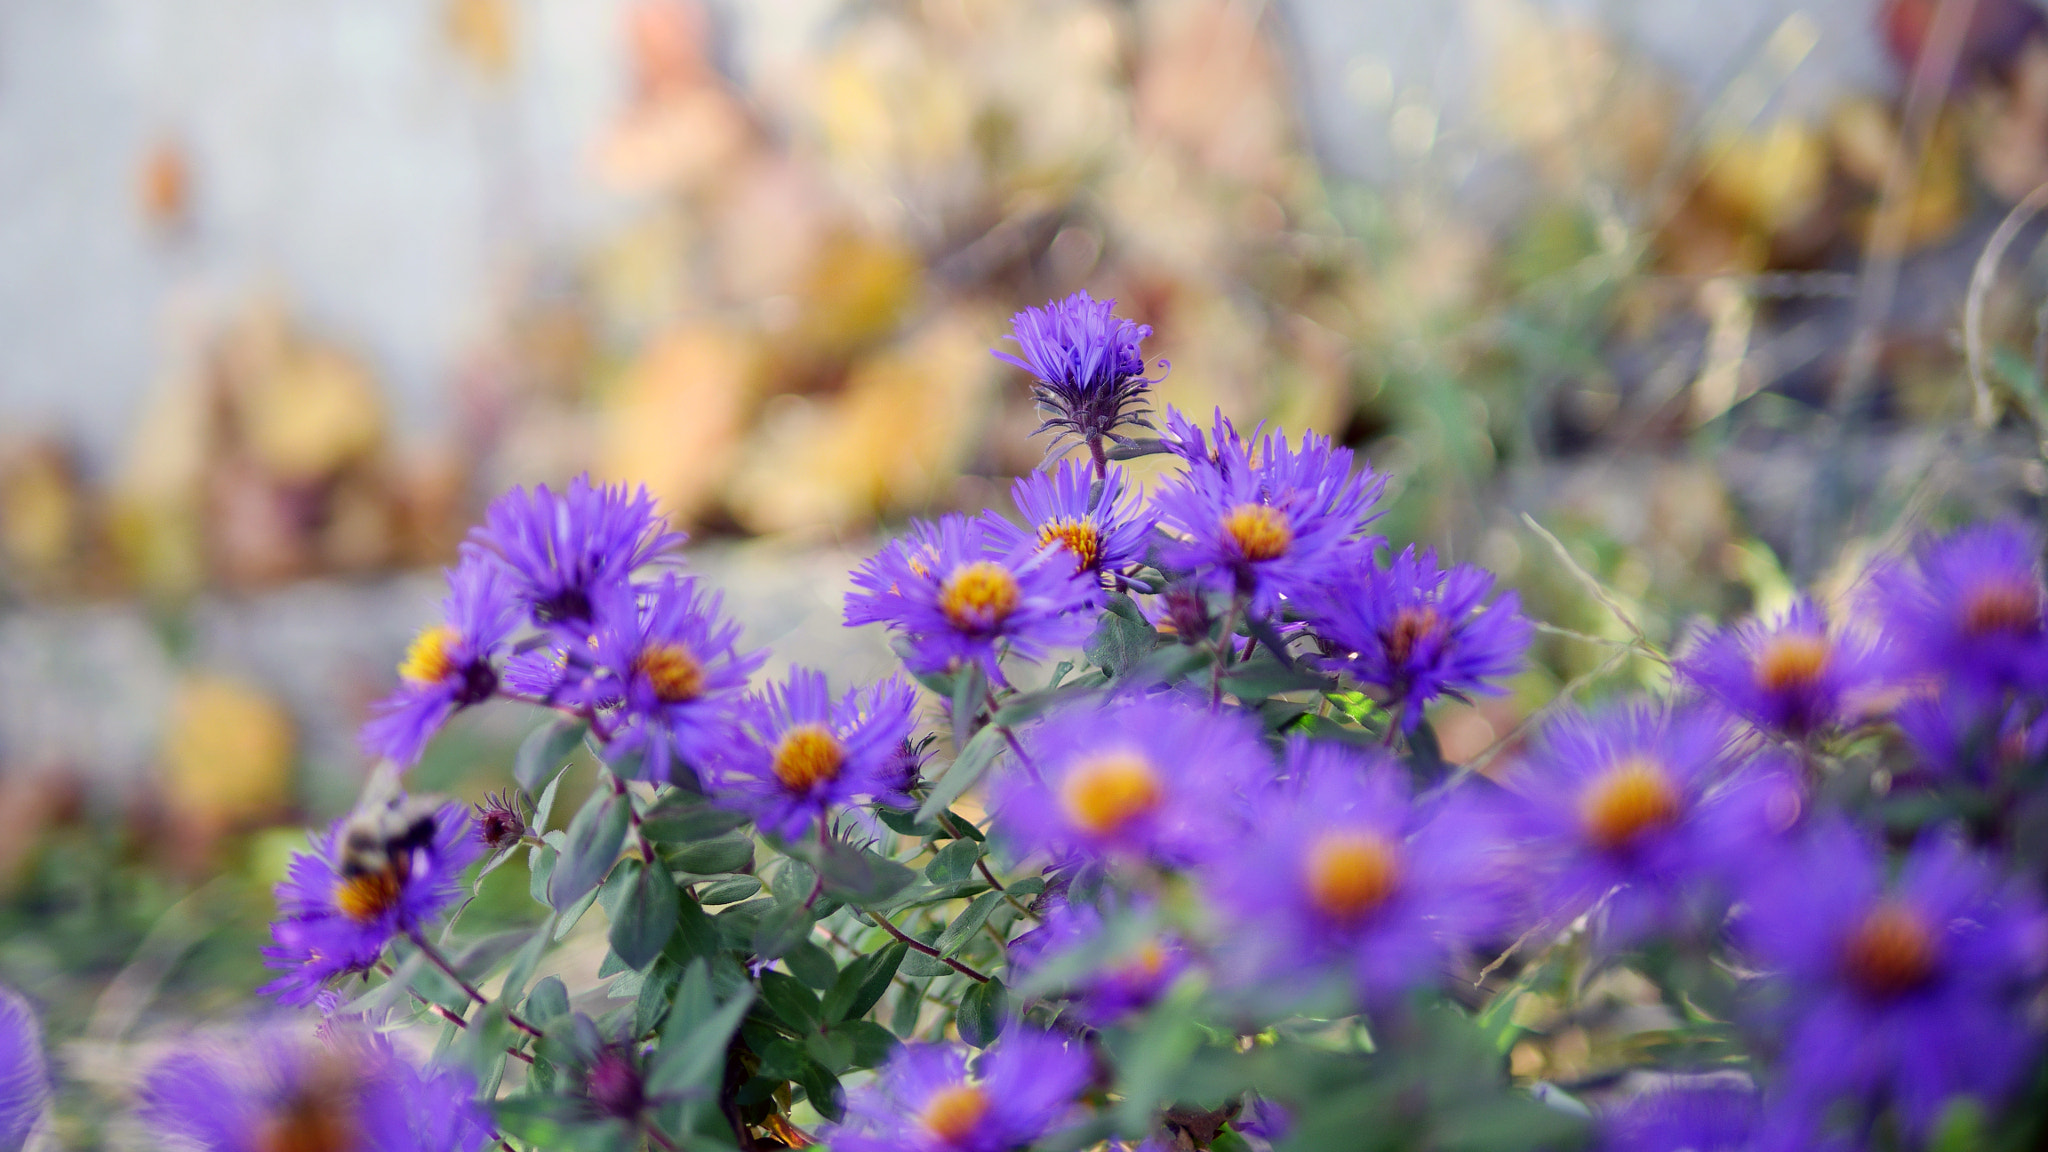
x: 289, y: 291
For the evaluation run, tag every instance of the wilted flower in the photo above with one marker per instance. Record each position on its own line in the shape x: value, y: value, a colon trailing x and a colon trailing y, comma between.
x: 1105, y: 535
x: 960, y: 599
x: 1967, y: 611
x: 669, y: 673
x: 796, y: 753
x: 1910, y: 992
x: 925, y: 1101
x: 1792, y: 675
x: 1089, y: 368
x: 276, y: 1092
x: 379, y: 873
x: 1418, y: 632
x: 448, y: 666
x: 561, y: 549
x: 24, y: 1080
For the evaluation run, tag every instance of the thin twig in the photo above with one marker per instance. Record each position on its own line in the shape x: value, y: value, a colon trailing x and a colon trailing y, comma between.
x: 921, y: 946
x: 419, y: 940
x: 445, y: 1014
x: 1594, y: 586
x: 1981, y: 277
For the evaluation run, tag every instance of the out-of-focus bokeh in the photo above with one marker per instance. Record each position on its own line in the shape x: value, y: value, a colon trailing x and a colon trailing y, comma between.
x: 287, y: 292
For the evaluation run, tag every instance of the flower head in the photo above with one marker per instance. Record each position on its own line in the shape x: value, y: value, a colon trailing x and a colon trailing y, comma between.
x: 379, y: 873
x: 1909, y: 992
x: 1343, y: 871
x: 1970, y: 740
x: 500, y: 820
x: 668, y: 671
x: 960, y: 598
x: 796, y: 753
x: 1147, y: 778
x: 926, y: 1101
x: 1711, y: 1117
x: 1136, y: 961
x: 1418, y: 631
x: 561, y: 549
x: 1647, y: 809
x: 278, y: 1092
x: 1967, y: 610
x: 1087, y: 364
x: 448, y: 665
x: 1270, y: 522
x: 1099, y: 537
x: 1792, y: 675
x: 24, y: 1080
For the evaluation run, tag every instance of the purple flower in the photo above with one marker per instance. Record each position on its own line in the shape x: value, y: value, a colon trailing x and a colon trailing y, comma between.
x: 378, y: 873
x: 1106, y: 536
x: 1713, y: 1117
x: 960, y: 599
x: 448, y: 666
x: 561, y: 550
x: 796, y: 753
x: 1967, y: 610
x: 1645, y: 808
x: 1968, y: 740
x: 276, y: 1090
x: 24, y: 1081
x: 1910, y: 992
x: 1268, y: 521
x: 925, y: 1100
x: 667, y: 671
x: 1089, y: 369
x: 1417, y: 631
x: 1792, y: 675
x: 1131, y: 969
x: 1148, y: 778
x: 1342, y: 870
x: 1219, y: 447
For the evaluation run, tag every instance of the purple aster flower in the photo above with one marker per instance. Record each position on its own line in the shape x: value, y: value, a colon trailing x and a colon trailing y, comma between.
x: 379, y: 873
x: 667, y: 671
x: 561, y: 549
x: 1792, y: 675
x: 276, y: 1091
x: 1270, y: 520
x: 926, y: 1101
x: 1910, y: 992
x: 1968, y: 740
x: 1089, y: 368
x: 1106, y: 536
x: 1647, y: 809
x: 448, y: 666
x: 961, y: 599
x: 796, y: 753
x: 1417, y: 632
x: 1343, y: 871
x: 1133, y: 968
x: 1967, y: 609
x: 24, y: 1081
x: 1148, y: 778
x: 1717, y: 1116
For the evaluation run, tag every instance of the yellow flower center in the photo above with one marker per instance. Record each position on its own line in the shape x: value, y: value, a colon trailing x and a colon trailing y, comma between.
x: 807, y: 756
x: 1411, y: 627
x: 365, y: 896
x: 1260, y: 531
x: 1891, y: 952
x: 1105, y: 793
x: 952, y: 1113
x: 673, y: 670
x: 1079, y: 537
x: 1635, y: 796
x: 979, y: 595
x: 2012, y: 606
x: 1148, y: 960
x: 430, y: 658
x: 1791, y: 660
x: 1351, y: 872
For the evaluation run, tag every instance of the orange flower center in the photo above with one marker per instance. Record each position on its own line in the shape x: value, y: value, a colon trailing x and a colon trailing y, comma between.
x: 1891, y: 952
x: 1351, y: 872
x: 1635, y: 796
x: 1079, y: 537
x: 953, y: 1113
x: 1411, y: 627
x: 2012, y: 606
x: 979, y: 595
x: 312, y: 1120
x: 365, y: 896
x: 430, y: 658
x: 1107, y: 792
x: 1260, y: 531
x: 1791, y: 660
x: 807, y: 756
x: 673, y: 670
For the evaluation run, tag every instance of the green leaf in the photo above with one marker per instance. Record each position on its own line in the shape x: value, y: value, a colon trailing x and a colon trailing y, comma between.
x: 823, y: 1090
x: 905, y: 821
x: 858, y: 875
x: 967, y: 768
x: 861, y: 983
x: 832, y: 1050
x: 983, y: 1012
x: 872, y: 1044
x: 540, y: 868
x: 696, y: 935
x: 591, y: 849
x: 1151, y: 1055
x: 1264, y: 676
x: 680, y: 818
x: 784, y: 927
x: 812, y: 965
x: 729, y: 891
x: 556, y: 1122
x: 523, y: 964
x: 646, y: 917
x: 953, y: 862
x: 1122, y: 637
x: 657, y: 994
x: 970, y: 692
x: 548, y: 1001
x: 732, y: 852
x: 693, y: 1045
x: 796, y: 1005
x: 545, y: 807
x: 964, y: 926
x: 545, y: 752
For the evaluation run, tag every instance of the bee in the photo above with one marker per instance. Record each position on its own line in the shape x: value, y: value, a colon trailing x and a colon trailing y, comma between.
x: 381, y: 838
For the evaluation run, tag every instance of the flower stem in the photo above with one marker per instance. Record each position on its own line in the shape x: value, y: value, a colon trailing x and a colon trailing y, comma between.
x: 433, y: 954
x: 655, y: 1137
x: 445, y: 1014
x: 921, y: 946
x: 1226, y: 647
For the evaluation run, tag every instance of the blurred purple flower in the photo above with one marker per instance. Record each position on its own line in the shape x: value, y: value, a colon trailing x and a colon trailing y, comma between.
x: 1792, y: 675
x: 796, y: 753
x: 1711, y: 1117
x: 1104, y: 537
x: 1911, y: 992
x: 1133, y: 973
x: 925, y: 1101
x: 1970, y: 741
x: 377, y: 874
x: 1966, y: 611
x: 448, y: 666
x: 1417, y: 631
x: 24, y: 1079
x: 1088, y: 367
x: 669, y: 673
x: 561, y: 549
